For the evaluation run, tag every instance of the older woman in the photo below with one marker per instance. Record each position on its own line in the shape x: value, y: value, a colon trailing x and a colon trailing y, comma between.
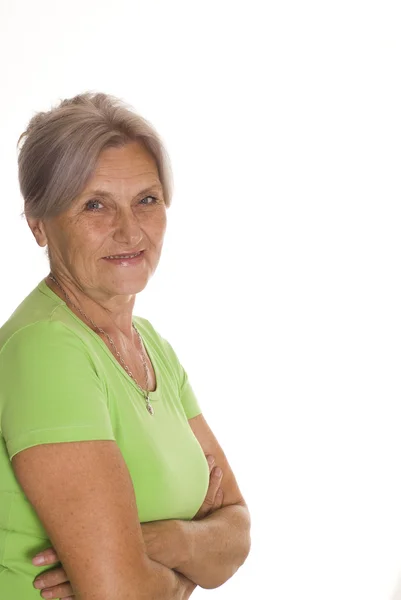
x: 127, y: 502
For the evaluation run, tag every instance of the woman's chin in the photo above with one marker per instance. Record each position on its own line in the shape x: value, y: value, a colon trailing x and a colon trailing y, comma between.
x: 126, y: 286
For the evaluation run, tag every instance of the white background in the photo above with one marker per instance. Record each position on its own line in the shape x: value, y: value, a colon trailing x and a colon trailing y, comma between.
x: 279, y: 281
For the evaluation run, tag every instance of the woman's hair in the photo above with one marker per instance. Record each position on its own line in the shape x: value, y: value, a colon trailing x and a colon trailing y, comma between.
x: 61, y: 147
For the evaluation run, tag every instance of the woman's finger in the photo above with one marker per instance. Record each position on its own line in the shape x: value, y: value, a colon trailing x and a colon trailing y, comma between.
x: 58, y: 591
x: 215, y: 480
x: 208, y: 504
x: 47, y: 557
x: 219, y: 499
x: 211, y: 461
x: 51, y: 578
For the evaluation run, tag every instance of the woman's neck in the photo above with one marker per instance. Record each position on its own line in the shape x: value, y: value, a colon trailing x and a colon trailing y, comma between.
x: 117, y: 324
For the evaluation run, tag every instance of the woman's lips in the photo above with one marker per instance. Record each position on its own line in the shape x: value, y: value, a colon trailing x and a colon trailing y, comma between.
x: 122, y: 260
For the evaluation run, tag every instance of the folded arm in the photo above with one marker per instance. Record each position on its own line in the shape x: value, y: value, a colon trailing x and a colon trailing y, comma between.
x: 83, y: 491
x: 219, y: 544
x: 209, y: 551
x: 205, y: 552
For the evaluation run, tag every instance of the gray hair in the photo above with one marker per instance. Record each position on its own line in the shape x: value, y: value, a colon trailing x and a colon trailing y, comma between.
x: 61, y: 147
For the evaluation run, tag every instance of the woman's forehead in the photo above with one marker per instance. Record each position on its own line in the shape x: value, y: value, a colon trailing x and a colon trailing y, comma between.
x: 126, y: 164
x: 131, y: 152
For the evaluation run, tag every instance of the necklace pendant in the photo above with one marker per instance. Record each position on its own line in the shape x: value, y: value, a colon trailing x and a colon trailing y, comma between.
x: 149, y: 408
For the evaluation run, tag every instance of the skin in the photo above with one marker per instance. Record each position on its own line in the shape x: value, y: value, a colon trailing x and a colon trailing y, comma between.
x: 158, y: 537
x: 126, y: 217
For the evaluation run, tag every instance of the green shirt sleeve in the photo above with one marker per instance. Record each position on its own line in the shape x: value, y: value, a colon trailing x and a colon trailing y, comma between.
x: 50, y: 391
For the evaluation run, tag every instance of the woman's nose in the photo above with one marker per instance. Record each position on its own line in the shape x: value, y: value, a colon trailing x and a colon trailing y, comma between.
x: 128, y: 227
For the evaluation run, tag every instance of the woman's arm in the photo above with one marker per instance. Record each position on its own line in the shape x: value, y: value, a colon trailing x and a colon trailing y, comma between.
x: 208, y: 551
x: 160, y: 539
x: 83, y: 494
x: 220, y: 543
x: 170, y: 543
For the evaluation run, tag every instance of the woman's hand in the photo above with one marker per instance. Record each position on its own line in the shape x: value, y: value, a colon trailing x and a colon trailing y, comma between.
x: 158, y: 537
x: 53, y: 583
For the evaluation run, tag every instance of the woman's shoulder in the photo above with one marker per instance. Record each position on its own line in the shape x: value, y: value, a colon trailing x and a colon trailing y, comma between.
x: 37, y: 313
x: 38, y: 341
x: 45, y: 318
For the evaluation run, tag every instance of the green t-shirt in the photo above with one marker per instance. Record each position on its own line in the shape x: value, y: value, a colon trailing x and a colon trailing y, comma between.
x: 59, y: 382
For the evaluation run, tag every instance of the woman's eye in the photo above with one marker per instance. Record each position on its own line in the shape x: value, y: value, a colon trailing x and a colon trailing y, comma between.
x: 147, y: 203
x: 88, y: 204
x: 91, y: 205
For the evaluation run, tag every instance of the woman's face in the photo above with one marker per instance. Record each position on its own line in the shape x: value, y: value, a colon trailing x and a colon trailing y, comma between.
x: 121, y: 210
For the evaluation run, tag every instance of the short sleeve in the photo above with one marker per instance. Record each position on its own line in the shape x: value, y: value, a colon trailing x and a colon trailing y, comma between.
x: 50, y: 390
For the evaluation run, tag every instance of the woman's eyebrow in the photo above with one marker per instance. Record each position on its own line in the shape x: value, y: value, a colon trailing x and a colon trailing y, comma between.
x: 103, y: 193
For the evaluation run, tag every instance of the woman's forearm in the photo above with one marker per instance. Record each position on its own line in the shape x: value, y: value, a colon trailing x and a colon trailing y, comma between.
x: 207, y: 551
x: 182, y: 554
x: 216, y: 546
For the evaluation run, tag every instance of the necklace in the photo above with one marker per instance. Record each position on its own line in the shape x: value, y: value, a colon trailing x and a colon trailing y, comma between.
x: 149, y: 407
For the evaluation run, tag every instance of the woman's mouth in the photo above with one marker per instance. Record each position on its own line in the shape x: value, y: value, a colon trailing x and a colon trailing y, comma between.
x: 125, y: 259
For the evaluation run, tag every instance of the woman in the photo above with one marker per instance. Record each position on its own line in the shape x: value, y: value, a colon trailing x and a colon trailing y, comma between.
x: 104, y: 443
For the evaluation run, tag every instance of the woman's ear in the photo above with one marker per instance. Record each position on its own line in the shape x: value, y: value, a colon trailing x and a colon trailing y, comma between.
x: 38, y: 231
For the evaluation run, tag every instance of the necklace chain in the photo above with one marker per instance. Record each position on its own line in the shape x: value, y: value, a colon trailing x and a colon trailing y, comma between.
x: 149, y: 407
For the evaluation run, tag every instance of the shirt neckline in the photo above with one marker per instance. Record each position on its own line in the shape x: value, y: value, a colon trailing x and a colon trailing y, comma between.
x: 43, y: 287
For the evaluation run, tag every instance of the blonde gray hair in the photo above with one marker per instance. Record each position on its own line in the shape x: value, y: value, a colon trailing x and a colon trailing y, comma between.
x: 60, y: 149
